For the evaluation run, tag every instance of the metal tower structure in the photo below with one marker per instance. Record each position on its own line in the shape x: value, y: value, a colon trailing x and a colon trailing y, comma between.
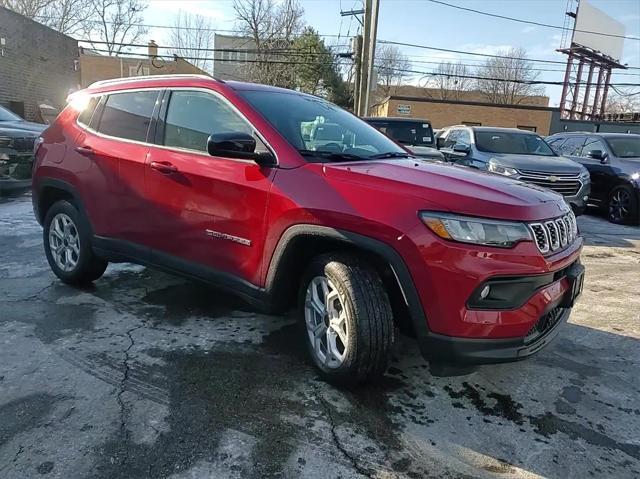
x: 588, y: 73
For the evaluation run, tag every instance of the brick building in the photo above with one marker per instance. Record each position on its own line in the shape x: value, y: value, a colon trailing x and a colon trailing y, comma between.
x: 37, y: 65
x: 443, y: 113
x: 94, y: 67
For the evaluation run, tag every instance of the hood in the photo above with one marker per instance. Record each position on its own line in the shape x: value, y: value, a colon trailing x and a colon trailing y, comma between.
x: 543, y: 164
x: 453, y: 189
x: 13, y: 128
x: 629, y: 166
x: 425, y: 152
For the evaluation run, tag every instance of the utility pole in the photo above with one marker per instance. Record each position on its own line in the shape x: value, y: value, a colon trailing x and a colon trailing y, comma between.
x: 356, y: 48
x: 370, y: 34
x: 364, y: 48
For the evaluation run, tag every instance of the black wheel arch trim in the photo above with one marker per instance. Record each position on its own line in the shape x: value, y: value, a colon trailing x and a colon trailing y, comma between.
x: 61, y: 185
x: 371, y: 245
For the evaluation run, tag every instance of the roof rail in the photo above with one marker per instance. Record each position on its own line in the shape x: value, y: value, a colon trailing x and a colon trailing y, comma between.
x: 115, y: 81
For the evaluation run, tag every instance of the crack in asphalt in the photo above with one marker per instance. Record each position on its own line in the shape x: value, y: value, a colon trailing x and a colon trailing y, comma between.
x: 352, y: 460
x: 123, y: 384
x: 33, y: 297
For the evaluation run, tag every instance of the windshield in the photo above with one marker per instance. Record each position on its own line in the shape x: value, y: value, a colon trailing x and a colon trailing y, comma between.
x: 625, y: 147
x: 410, y: 133
x: 6, y: 115
x: 320, y: 130
x: 512, y: 143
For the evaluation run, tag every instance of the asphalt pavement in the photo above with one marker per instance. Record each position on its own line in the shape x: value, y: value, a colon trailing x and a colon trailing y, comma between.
x: 146, y: 375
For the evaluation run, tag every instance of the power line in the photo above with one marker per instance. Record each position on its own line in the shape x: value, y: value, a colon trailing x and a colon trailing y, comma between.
x: 508, y: 80
x: 486, y: 55
x: 529, y: 22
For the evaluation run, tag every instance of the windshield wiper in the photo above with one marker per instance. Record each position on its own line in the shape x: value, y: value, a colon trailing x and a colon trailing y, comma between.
x: 391, y: 154
x: 331, y: 156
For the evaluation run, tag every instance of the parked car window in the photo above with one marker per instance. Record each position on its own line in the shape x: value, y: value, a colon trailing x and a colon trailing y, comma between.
x: 6, y: 115
x: 192, y: 116
x: 625, y: 147
x: 554, y: 143
x: 128, y: 115
x: 409, y: 132
x: 512, y: 143
x: 296, y: 116
x: 84, y: 118
x: 451, y: 138
x: 592, y: 144
x: 464, y: 138
x: 573, y: 146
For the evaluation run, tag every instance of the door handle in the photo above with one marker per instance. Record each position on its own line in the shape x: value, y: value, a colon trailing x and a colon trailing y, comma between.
x: 85, y: 150
x: 163, y: 167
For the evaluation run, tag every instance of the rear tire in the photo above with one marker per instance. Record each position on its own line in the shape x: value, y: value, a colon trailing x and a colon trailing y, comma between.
x: 67, y: 245
x: 347, y: 319
x: 623, y: 206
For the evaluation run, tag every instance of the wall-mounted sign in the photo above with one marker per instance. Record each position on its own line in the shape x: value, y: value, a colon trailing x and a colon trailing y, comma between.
x: 404, y: 109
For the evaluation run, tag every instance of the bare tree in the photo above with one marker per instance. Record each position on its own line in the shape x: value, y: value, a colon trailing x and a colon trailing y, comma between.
x: 29, y: 8
x: 272, y: 27
x: 189, y: 35
x: 514, y: 67
x: 623, y: 100
x: 450, y: 80
x: 392, y: 68
x: 115, y: 23
x: 66, y: 16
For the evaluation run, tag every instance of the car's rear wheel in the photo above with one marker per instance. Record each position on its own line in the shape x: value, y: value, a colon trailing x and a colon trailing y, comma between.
x: 67, y: 245
x: 623, y: 205
x: 347, y: 318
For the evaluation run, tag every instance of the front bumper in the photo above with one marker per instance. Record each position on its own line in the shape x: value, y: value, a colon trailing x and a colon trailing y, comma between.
x: 15, y: 170
x: 458, y: 330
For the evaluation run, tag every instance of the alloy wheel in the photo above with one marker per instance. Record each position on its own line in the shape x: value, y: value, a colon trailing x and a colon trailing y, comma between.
x: 619, y: 205
x: 326, y: 321
x: 64, y: 242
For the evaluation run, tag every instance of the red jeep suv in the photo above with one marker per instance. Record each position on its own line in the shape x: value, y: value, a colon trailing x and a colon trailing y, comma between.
x: 225, y: 182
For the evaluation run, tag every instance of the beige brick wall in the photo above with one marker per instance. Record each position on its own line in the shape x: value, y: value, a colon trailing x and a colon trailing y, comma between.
x: 95, y: 68
x: 447, y: 114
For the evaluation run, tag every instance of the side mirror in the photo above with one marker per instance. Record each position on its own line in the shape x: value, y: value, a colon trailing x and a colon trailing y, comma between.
x: 461, y: 148
x: 597, y: 155
x: 236, y: 144
x: 440, y: 142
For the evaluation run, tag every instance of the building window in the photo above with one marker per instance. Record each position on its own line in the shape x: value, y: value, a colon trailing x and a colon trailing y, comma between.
x: 528, y: 128
x: 471, y: 123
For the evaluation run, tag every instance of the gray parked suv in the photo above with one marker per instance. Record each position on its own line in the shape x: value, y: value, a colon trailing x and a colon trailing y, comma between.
x: 518, y: 154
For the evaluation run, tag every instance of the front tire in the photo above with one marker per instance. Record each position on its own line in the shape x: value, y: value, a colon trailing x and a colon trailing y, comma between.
x: 623, y: 205
x: 67, y: 245
x: 347, y: 319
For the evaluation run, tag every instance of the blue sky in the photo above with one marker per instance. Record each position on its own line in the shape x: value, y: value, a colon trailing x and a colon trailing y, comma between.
x: 422, y: 22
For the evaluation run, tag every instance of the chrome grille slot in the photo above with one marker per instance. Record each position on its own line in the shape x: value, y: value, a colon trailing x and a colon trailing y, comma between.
x: 563, y: 183
x: 555, y: 234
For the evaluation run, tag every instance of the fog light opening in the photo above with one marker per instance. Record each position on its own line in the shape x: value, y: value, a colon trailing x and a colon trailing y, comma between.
x: 485, y: 292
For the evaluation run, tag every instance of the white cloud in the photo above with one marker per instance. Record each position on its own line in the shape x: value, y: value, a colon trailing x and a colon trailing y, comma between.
x: 206, y: 9
x: 529, y: 29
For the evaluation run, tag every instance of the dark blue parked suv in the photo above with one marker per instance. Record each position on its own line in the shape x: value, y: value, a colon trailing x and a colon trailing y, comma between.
x: 519, y: 154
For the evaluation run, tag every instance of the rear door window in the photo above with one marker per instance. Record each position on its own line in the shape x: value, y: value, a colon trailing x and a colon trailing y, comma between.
x: 128, y: 115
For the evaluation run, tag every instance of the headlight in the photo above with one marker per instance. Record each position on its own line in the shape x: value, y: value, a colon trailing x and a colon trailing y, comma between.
x: 466, y: 229
x: 496, y: 167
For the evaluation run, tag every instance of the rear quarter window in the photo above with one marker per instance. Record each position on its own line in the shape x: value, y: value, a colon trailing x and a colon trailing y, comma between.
x: 128, y: 115
x: 84, y: 118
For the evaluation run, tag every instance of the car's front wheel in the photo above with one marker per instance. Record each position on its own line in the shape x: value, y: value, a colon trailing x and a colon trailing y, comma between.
x: 67, y: 245
x: 623, y: 205
x: 347, y: 319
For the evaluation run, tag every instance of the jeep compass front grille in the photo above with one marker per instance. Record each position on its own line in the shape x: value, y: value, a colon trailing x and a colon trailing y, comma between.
x: 556, y: 234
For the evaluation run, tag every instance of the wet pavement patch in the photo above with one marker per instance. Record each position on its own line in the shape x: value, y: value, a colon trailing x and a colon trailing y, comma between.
x: 24, y: 414
x: 504, y: 406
